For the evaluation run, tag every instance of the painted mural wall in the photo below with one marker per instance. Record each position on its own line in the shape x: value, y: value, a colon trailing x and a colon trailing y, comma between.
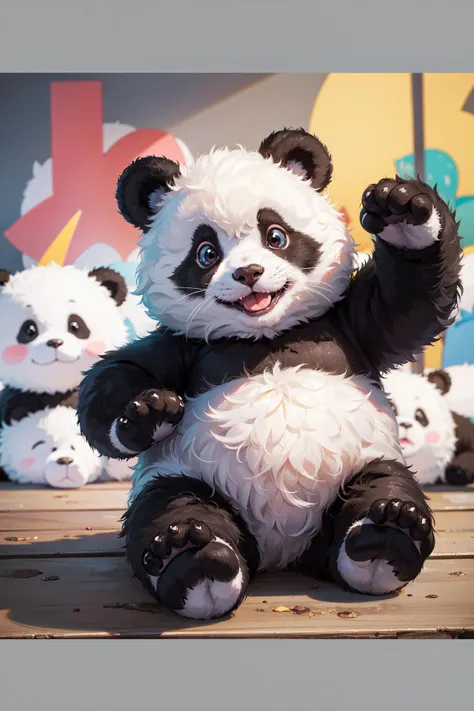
x: 65, y: 139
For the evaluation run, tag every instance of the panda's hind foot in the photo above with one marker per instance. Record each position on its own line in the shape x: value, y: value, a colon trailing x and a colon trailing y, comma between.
x: 386, y: 549
x: 196, y: 574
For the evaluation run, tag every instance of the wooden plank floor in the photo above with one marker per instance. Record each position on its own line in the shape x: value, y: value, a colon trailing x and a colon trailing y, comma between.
x: 63, y: 574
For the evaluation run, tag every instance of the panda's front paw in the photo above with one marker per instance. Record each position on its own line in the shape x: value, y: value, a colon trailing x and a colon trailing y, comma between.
x: 150, y: 417
x: 387, y: 549
x: 401, y: 212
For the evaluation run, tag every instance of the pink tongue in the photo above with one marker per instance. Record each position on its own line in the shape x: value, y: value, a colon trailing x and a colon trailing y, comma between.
x: 256, y: 301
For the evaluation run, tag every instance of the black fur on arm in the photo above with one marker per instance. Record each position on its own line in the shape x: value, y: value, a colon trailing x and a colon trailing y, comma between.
x: 159, y: 360
x: 402, y: 299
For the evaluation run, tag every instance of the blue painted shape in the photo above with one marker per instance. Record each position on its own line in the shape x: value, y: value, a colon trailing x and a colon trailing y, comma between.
x: 459, y: 342
x: 465, y: 213
x: 440, y: 170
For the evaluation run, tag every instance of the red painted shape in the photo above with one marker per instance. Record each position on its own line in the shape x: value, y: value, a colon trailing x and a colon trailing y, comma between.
x: 84, y: 178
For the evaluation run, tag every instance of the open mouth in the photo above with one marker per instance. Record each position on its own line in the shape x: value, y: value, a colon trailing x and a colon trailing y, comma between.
x: 258, y: 303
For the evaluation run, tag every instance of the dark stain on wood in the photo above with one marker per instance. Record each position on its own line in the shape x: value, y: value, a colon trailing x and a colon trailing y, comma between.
x: 21, y: 573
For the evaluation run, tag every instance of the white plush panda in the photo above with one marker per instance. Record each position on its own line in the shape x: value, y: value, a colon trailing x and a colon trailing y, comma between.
x: 46, y: 447
x: 436, y: 442
x: 263, y: 434
x: 54, y: 323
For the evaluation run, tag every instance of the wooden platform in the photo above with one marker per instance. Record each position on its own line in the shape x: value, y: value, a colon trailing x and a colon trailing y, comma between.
x: 63, y: 574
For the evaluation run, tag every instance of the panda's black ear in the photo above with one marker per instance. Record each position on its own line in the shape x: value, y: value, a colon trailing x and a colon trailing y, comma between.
x: 301, y: 152
x: 113, y: 281
x: 18, y: 413
x: 4, y: 277
x: 140, y: 187
x: 441, y: 379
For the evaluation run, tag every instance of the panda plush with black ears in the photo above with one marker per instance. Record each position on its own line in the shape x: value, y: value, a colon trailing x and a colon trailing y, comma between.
x: 264, y: 437
x: 436, y: 442
x: 55, y: 321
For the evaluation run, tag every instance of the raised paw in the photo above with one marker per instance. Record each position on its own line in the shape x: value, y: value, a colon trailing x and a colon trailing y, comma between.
x: 149, y: 418
x: 400, y: 212
x: 194, y: 573
x: 387, y: 549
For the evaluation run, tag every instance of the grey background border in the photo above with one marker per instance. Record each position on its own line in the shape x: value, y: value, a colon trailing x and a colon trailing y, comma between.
x: 241, y: 36
x: 263, y: 36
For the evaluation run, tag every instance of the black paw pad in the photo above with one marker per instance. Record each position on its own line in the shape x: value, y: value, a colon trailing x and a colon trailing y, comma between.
x: 374, y: 542
x: 215, y: 562
x: 218, y: 562
x: 404, y: 514
x: 176, y: 536
x: 151, y: 563
x: 394, y: 200
x: 144, y: 414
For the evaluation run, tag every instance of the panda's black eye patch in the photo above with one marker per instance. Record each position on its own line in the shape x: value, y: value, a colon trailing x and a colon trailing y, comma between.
x: 76, y: 325
x: 420, y: 416
x: 28, y: 332
x: 196, y: 270
x: 293, y: 246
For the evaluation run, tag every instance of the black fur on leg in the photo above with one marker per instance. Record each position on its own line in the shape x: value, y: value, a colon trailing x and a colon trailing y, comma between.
x: 171, y: 512
x: 384, y: 491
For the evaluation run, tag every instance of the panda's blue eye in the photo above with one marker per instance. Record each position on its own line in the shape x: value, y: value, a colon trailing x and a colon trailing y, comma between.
x: 206, y: 255
x: 277, y: 238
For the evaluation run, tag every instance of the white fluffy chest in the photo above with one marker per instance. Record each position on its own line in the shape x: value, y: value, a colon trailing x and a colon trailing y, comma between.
x: 279, y: 445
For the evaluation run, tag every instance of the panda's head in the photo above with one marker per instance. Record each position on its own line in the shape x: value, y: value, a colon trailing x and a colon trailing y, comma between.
x: 55, y: 322
x: 424, y: 418
x: 46, y: 447
x: 241, y: 243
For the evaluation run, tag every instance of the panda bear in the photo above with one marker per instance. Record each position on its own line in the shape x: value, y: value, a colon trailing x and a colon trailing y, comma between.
x: 46, y: 447
x: 55, y: 321
x: 436, y: 442
x: 264, y: 438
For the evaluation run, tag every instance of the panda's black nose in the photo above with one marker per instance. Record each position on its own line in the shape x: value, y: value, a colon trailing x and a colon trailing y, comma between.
x: 248, y: 275
x: 406, y: 425
x: 54, y: 343
x: 65, y: 460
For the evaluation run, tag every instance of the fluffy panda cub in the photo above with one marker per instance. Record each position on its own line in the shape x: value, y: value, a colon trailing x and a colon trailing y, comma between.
x: 263, y: 434
x: 54, y: 323
x: 46, y: 447
x: 437, y: 443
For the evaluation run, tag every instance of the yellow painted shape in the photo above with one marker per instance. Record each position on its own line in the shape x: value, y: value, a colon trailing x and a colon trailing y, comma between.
x: 433, y: 356
x: 58, y: 249
x: 366, y: 120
